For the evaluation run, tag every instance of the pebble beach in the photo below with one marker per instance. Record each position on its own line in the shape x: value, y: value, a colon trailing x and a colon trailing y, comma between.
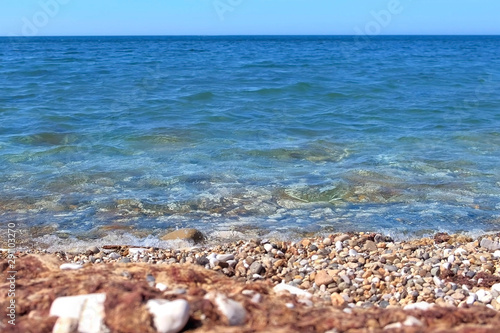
x: 349, y: 275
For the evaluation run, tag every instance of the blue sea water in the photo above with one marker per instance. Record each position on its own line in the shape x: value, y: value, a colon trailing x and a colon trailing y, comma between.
x: 395, y: 134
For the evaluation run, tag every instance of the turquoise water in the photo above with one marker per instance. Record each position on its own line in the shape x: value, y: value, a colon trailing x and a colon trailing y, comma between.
x: 395, y: 134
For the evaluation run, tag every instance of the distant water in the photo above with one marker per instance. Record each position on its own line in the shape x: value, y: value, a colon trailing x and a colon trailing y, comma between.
x: 142, y: 134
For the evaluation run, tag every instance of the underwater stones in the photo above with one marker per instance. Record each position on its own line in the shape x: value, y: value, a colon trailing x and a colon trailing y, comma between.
x: 189, y: 234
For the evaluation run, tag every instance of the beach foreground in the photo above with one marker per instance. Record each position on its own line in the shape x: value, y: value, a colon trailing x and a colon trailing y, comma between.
x: 358, y: 282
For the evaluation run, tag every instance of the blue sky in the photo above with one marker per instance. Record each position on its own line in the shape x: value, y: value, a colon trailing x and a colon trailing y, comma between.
x: 236, y: 17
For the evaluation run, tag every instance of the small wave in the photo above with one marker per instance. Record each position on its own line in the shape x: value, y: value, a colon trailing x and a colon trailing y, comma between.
x: 202, y: 96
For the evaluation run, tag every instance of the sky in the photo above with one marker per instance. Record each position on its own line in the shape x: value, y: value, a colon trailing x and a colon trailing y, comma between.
x: 248, y: 17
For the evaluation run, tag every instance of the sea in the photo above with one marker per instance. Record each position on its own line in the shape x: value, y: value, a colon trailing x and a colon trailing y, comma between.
x: 121, y: 139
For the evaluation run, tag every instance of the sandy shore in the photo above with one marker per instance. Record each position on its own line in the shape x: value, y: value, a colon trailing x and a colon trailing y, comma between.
x: 357, y: 282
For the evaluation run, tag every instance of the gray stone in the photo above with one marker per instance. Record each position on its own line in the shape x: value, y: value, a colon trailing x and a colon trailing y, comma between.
x: 255, y: 268
x: 489, y: 244
x: 371, y: 246
x: 435, y: 271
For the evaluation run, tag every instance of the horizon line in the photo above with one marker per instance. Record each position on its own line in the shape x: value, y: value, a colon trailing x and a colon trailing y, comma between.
x: 259, y: 35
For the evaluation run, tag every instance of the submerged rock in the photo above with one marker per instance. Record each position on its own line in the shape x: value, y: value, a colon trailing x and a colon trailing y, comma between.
x: 189, y: 234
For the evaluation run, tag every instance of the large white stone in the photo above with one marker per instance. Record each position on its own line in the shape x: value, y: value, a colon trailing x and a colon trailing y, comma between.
x: 88, y: 310
x: 283, y: 287
x: 72, y: 306
x: 169, y: 316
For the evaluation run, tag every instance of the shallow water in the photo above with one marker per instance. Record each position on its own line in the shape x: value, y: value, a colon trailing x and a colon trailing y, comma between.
x: 394, y: 134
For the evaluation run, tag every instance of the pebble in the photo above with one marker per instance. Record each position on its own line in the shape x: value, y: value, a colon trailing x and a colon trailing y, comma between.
x: 419, y: 306
x: 70, y: 266
x: 347, y: 270
x: 224, y: 257
x: 323, y: 278
x: 283, y: 287
x: 255, y: 268
x: 268, y: 247
x: 169, y: 316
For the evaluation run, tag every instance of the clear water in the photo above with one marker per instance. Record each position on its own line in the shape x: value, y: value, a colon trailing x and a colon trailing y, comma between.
x: 398, y: 134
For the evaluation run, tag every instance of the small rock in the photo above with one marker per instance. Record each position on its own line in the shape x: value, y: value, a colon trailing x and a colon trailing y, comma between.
x: 322, y: 278
x: 327, y: 241
x: 412, y: 321
x: 496, y: 287
x: 225, y: 257
x: 353, y: 252
x: 125, y: 260
x: 484, y: 296
x: 69, y: 266
x: 371, y: 246
x: 255, y: 268
x: 169, y: 316
x: 489, y: 244
x: 185, y: 234
x: 337, y: 300
x: 268, y: 247
x: 161, y: 286
x: 93, y: 250
x: 283, y: 287
x: 114, y: 256
x: 419, y: 306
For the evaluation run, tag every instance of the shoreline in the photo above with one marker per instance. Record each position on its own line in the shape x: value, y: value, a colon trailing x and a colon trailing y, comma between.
x: 345, y: 276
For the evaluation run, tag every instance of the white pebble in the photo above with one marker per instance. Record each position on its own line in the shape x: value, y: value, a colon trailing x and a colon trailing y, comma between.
x: 460, y: 251
x: 438, y: 282
x: 225, y: 257
x: 338, y: 246
x: 169, y: 316
x: 327, y: 241
x: 496, y: 287
x: 419, y: 306
x: 161, y: 286
x: 451, y: 259
x: 353, y: 252
x: 484, y: 296
x: 412, y: 321
x: 496, y: 254
x: 268, y: 247
x: 471, y: 299
x: 283, y: 287
x: 70, y: 266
